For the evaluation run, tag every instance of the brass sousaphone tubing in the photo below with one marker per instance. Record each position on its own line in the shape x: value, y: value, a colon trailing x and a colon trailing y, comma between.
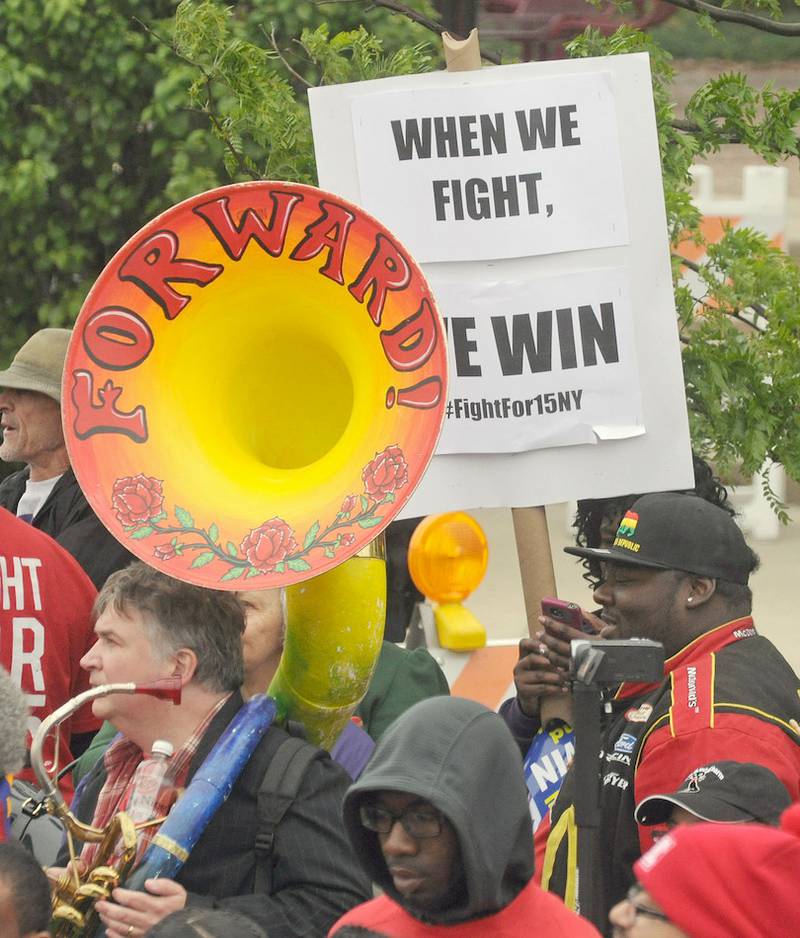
x: 254, y: 388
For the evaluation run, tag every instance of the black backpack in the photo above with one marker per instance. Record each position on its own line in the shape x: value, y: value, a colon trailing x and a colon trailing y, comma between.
x: 288, y: 761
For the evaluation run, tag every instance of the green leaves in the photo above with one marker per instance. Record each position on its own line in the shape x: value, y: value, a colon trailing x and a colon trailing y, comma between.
x: 742, y: 355
x: 185, y: 520
x: 311, y: 535
x: 728, y: 109
x: 92, y: 115
x: 247, y: 84
x: 358, y: 55
x: 369, y: 522
x: 298, y: 565
x: 203, y: 559
x: 740, y: 325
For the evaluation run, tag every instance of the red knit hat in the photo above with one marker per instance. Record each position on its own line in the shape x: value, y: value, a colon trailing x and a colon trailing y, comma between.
x: 715, y: 880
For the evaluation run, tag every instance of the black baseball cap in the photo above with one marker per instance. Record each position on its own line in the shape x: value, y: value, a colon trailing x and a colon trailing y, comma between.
x: 673, y: 531
x: 723, y: 792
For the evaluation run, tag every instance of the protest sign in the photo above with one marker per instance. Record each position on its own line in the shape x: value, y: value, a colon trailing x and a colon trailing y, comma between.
x: 610, y: 251
x: 477, y: 177
x: 538, y: 363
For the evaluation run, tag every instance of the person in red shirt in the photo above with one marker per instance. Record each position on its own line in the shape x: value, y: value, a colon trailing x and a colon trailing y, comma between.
x: 439, y: 820
x: 716, y: 881
x: 45, y: 629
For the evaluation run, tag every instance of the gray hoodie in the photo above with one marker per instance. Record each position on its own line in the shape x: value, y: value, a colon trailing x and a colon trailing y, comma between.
x: 461, y: 757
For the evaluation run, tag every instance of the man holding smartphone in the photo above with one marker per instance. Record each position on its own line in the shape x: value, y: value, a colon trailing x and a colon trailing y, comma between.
x: 676, y: 572
x: 536, y: 678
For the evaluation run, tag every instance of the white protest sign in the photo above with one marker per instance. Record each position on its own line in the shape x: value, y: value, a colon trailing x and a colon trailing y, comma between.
x: 640, y: 441
x: 538, y: 363
x: 477, y: 177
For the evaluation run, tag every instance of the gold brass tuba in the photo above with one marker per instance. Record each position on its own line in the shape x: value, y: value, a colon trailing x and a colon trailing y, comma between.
x: 74, y: 896
x: 255, y: 385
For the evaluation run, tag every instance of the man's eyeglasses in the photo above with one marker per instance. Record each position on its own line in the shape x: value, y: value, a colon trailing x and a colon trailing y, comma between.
x: 417, y: 822
x: 662, y: 831
x: 633, y: 894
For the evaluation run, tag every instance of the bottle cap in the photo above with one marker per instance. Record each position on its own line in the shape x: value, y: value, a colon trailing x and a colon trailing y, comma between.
x: 161, y: 747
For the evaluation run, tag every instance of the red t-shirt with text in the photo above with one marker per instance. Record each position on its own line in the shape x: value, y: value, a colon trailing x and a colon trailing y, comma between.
x: 45, y: 629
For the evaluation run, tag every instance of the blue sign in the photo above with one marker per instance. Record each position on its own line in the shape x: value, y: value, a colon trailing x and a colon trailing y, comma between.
x: 545, y: 766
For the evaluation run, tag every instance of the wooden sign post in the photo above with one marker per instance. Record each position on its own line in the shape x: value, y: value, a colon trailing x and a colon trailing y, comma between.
x: 530, y: 524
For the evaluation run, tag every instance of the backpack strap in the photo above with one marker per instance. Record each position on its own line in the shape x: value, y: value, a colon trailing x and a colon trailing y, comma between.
x: 279, y: 788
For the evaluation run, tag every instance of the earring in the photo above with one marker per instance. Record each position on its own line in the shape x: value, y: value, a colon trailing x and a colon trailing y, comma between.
x: 689, y: 599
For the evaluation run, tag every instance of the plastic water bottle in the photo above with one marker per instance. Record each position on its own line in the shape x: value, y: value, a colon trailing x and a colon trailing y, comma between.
x: 151, y: 777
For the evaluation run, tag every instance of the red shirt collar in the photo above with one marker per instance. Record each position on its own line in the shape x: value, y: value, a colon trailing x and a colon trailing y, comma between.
x: 704, y: 644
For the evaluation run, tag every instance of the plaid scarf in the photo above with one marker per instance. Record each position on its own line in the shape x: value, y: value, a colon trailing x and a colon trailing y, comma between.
x: 121, y: 760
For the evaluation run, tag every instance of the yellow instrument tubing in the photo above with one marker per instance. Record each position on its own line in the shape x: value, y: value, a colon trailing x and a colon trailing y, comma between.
x: 334, y: 633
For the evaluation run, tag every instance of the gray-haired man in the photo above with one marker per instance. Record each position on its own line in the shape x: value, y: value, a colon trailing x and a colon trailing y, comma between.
x: 46, y: 492
x: 149, y: 627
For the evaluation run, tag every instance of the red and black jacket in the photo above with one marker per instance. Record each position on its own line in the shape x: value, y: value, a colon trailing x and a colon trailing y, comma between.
x: 728, y: 695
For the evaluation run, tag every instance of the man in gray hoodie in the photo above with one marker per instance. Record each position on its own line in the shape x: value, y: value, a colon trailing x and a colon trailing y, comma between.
x: 440, y: 821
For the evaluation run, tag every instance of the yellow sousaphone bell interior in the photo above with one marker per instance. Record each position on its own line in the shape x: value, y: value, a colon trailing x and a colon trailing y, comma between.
x: 254, y: 388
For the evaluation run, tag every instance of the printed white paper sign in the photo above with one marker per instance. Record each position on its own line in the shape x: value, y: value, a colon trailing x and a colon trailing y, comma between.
x: 525, y: 168
x: 539, y: 363
x: 608, y: 211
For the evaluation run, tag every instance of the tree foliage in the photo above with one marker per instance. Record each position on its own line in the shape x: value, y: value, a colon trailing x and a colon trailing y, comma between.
x: 96, y: 137
x: 250, y: 92
x: 741, y: 337
x: 741, y: 332
x: 99, y: 134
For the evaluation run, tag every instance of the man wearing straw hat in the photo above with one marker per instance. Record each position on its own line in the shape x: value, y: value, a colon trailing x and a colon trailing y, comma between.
x: 46, y: 492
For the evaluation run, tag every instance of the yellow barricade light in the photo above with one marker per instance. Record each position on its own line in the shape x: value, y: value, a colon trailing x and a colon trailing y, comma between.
x: 447, y: 559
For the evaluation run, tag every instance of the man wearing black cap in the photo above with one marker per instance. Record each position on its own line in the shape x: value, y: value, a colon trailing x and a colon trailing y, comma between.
x: 724, y: 792
x: 677, y: 572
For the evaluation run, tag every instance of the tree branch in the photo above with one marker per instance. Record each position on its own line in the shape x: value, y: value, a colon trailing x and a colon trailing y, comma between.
x: 295, y: 74
x: 738, y: 16
x: 209, y: 110
x: 394, y: 6
x: 688, y: 127
x: 243, y: 167
x: 757, y: 310
x: 685, y: 262
x: 753, y: 323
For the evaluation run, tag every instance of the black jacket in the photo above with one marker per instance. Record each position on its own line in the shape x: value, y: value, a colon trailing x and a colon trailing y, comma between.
x: 67, y: 517
x: 316, y: 878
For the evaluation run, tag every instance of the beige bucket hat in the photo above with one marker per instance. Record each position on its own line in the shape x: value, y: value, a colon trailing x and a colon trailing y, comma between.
x: 39, y: 364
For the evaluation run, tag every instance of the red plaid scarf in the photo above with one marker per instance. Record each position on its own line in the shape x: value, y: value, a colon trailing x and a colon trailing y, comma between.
x: 121, y: 760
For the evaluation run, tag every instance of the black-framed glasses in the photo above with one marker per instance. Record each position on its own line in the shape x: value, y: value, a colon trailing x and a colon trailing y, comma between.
x: 417, y: 821
x: 633, y: 893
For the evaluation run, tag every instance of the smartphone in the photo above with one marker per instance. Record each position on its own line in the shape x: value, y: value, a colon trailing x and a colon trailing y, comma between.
x: 568, y: 613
